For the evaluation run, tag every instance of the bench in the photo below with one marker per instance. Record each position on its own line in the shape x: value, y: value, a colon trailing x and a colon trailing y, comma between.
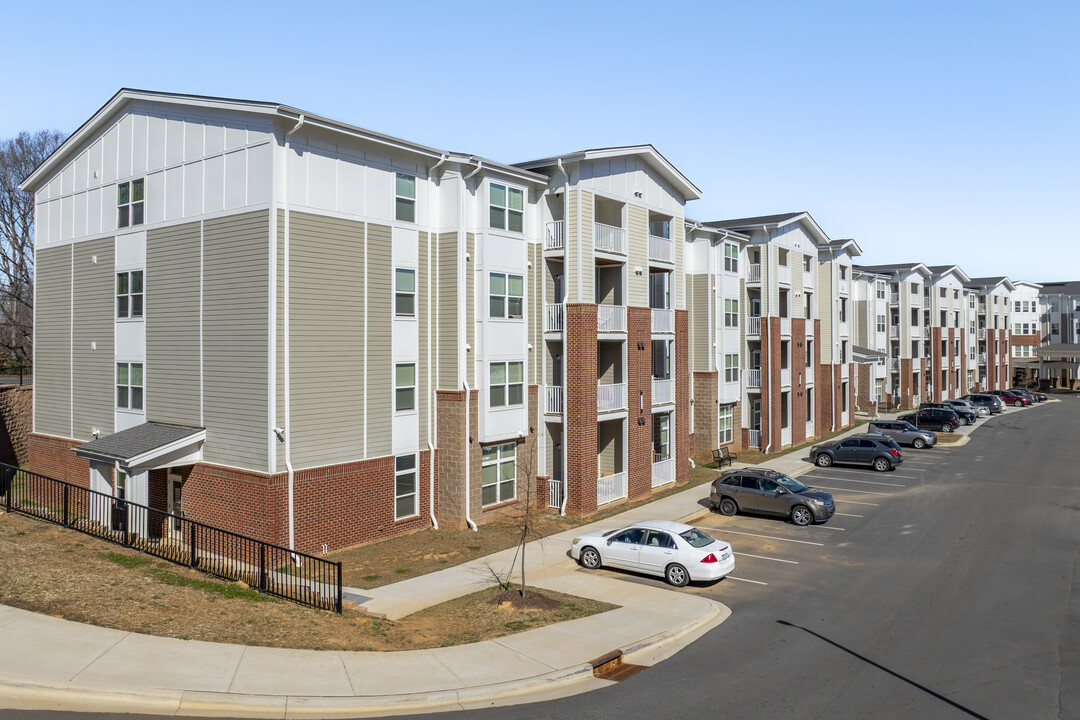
x: 723, y: 455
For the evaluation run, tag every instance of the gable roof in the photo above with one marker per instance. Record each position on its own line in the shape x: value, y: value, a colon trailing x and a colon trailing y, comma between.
x: 849, y: 246
x: 938, y: 271
x: 988, y: 283
x: 1071, y: 287
x: 141, y: 443
x: 648, y: 153
x: 778, y: 221
x: 896, y: 268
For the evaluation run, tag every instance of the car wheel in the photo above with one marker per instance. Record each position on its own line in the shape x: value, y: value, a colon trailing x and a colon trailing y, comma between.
x: 728, y: 507
x: 590, y: 558
x: 824, y: 460
x: 946, y: 427
x: 801, y: 515
x: 676, y: 575
x: 918, y: 443
x: 1018, y: 403
x: 881, y: 464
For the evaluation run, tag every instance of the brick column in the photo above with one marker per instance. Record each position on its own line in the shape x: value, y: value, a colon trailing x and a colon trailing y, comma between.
x: 582, y: 469
x: 639, y: 402
x: 452, y: 440
x: 705, y: 394
x: 797, y: 417
x: 682, y: 396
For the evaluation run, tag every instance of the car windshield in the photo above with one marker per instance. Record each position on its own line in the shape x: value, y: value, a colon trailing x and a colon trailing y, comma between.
x: 696, y: 538
x: 790, y: 483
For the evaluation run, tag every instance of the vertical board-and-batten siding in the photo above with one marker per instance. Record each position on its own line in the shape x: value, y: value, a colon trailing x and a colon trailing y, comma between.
x: 380, y: 314
x: 173, y: 270
x: 678, y: 282
x: 423, y: 367
x: 448, y: 307
x: 52, y: 342
x: 326, y: 339
x: 588, y: 261
x: 470, y: 308
x: 93, y: 370
x: 638, y: 231
x: 235, y: 348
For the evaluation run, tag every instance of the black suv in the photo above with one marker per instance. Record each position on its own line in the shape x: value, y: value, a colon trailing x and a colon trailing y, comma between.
x: 933, y: 419
x: 871, y: 449
x: 967, y: 416
x: 772, y: 493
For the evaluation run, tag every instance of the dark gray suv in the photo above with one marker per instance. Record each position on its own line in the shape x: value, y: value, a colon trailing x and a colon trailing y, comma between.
x: 874, y: 450
x: 771, y: 493
x: 904, y: 432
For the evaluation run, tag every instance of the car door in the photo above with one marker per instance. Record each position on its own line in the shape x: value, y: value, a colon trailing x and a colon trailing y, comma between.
x: 750, y: 494
x: 657, y: 551
x: 623, y: 548
x: 772, y: 498
x: 848, y: 451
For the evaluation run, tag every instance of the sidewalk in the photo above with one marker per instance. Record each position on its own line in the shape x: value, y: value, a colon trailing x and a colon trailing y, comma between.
x: 48, y: 663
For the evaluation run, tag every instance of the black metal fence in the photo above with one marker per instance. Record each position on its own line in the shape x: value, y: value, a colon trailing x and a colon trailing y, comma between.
x: 21, y: 374
x: 271, y: 569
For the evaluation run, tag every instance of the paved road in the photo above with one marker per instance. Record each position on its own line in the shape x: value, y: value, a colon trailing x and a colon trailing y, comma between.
x: 948, y: 588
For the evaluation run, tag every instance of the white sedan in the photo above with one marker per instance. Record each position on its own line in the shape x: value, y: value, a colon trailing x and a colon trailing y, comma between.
x: 678, y: 553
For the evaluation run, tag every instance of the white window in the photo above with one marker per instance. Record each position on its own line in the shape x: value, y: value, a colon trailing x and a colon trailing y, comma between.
x: 881, y: 323
x: 507, y: 206
x: 129, y: 203
x: 1055, y: 305
x: 843, y: 272
x: 731, y: 257
x: 725, y: 423
x: 129, y: 294
x: 405, y: 197
x: 731, y: 313
x: 506, y: 295
x: 404, y: 292
x: 507, y: 384
x: 498, y: 474
x: 731, y: 367
x: 782, y: 257
x: 1055, y: 328
x: 404, y: 387
x: 806, y: 263
x: 880, y: 289
x: 661, y: 437
x: 129, y: 386
x: 1016, y: 306
x: 405, y: 504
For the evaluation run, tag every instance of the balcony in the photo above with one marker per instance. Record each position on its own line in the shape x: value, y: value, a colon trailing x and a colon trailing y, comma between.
x: 783, y: 274
x: 944, y: 363
x: 611, y: 398
x: 982, y: 358
x: 662, y: 249
x: 610, y: 318
x: 754, y: 439
x: 556, y: 492
x: 982, y: 333
x: 844, y: 329
x: 554, y: 317
x: 916, y: 301
x: 785, y: 436
x: 553, y: 400
x: 785, y: 377
x: 894, y: 364
x: 843, y: 286
x: 894, y: 332
x: 608, y: 238
x: 753, y: 273
x: 553, y: 236
x: 663, y: 320
x: 663, y: 391
x: 916, y: 332
x: 753, y: 325
x: 785, y: 327
x: 894, y: 299
x: 753, y: 378
x: 845, y: 371
x: 809, y: 428
x: 610, y: 488
x: 663, y: 472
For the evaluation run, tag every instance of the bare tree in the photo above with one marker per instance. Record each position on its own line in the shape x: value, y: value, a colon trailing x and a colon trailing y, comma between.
x: 18, y: 158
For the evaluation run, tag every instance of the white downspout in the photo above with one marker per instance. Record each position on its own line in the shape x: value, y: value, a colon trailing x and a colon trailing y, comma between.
x: 566, y: 230
x: 468, y: 462
x: 433, y: 411
x: 285, y: 353
x: 463, y: 365
x: 767, y: 302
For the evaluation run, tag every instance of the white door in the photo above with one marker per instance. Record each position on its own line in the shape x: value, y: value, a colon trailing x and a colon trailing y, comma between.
x: 175, y: 503
x: 100, y: 506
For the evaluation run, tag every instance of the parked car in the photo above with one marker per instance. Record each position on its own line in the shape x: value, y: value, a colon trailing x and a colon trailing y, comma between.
x: 877, y: 451
x: 967, y: 417
x: 979, y: 410
x: 772, y: 493
x: 904, y: 433
x: 993, y: 402
x: 1011, y: 398
x: 933, y: 418
x: 676, y: 552
x: 1035, y: 397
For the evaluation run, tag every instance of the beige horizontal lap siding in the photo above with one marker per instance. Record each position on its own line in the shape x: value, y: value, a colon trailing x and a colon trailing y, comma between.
x: 638, y: 232
x: 279, y: 342
x: 93, y: 370
x: 380, y: 372
x: 236, y: 279
x: 701, y: 344
x: 326, y: 339
x: 52, y: 342
x: 447, y: 304
x: 173, y: 386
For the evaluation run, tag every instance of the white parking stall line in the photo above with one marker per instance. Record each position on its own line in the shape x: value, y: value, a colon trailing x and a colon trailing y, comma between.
x: 830, y: 527
x: 848, y: 515
x: 768, y: 537
x: 763, y: 557
x: 867, y: 482
x: 756, y: 582
x: 919, y: 462
x: 861, y: 492
x: 856, y: 502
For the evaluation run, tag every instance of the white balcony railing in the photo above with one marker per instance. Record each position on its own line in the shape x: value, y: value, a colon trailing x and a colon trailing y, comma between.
x: 554, y: 318
x: 754, y: 441
x: 844, y: 329
x: 661, y: 248
x: 553, y: 400
x: 553, y: 237
x: 982, y: 358
x: 843, y: 286
x: 753, y: 378
x: 555, y: 492
x: 916, y: 301
x: 810, y: 429
x: 753, y: 272
x: 783, y: 274
x: 982, y: 333
x: 785, y: 326
x: 944, y: 362
x: 663, y: 472
x: 894, y: 364
x: 663, y: 320
x: 894, y: 298
x: 785, y: 436
x: 894, y: 331
x: 610, y: 318
x: 845, y: 370
x: 609, y: 238
x: 785, y: 377
x: 611, y: 397
x: 916, y: 332
x: 753, y: 325
x: 610, y: 488
x: 663, y: 391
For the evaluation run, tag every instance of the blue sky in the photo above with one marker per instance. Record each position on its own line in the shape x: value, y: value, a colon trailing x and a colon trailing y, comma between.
x: 928, y: 131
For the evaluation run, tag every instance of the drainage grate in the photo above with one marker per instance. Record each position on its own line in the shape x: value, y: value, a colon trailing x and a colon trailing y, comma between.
x: 612, y: 667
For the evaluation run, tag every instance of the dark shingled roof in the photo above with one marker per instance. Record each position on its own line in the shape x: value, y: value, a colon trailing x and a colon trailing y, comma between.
x: 887, y: 268
x: 747, y: 222
x: 986, y: 281
x: 136, y: 441
x: 1072, y: 287
x: 863, y: 355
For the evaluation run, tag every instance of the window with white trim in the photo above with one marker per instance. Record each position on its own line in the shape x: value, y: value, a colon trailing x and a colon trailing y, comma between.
x: 1016, y: 306
x: 731, y: 367
x: 404, y: 292
x: 129, y: 386
x: 405, y: 487
x: 507, y: 384
x: 129, y: 203
x: 661, y: 437
x: 881, y: 323
x: 404, y: 387
x: 506, y: 295
x: 880, y: 287
x: 506, y: 207
x: 405, y: 197
x: 725, y: 424
x: 129, y: 294
x: 731, y: 257
x: 731, y: 313
x: 498, y: 473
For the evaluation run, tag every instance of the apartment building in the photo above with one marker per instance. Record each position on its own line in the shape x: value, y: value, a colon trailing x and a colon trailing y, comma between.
x: 1060, y: 326
x: 992, y: 312
x: 870, y: 338
x: 1025, y: 334
x: 946, y: 369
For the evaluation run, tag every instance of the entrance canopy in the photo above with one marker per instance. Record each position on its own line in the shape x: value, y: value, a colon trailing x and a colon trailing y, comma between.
x: 148, y: 446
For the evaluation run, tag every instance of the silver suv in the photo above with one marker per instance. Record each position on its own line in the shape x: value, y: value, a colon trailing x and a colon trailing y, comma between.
x: 904, y: 433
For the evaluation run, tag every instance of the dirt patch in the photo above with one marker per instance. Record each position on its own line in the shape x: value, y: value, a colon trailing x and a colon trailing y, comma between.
x: 945, y: 438
x: 527, y: 600
x: 63, y: 573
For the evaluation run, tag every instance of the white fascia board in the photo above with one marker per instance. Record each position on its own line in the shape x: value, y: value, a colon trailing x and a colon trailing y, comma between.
x: 157, y: 452
x: 688, y: 190
x: 816, y: 233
